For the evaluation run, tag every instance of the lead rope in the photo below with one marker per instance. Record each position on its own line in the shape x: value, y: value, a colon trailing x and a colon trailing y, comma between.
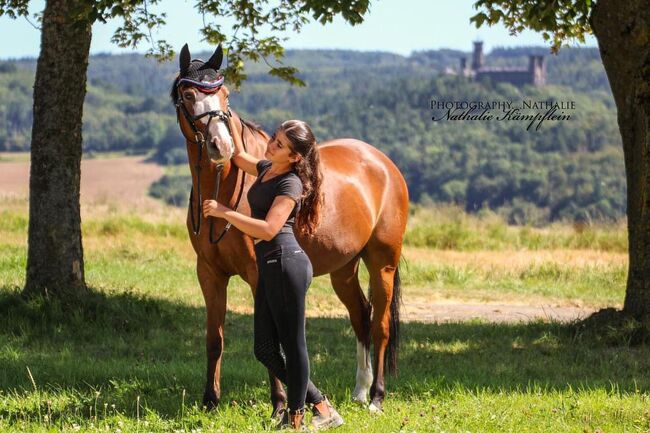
x: 196, y: 226
x: 241, y: 189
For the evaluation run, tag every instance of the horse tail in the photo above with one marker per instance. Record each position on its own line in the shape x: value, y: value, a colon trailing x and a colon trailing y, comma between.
x: 390, y: 360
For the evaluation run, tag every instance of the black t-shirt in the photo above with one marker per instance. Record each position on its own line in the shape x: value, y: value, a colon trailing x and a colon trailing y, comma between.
x: 261, y: 194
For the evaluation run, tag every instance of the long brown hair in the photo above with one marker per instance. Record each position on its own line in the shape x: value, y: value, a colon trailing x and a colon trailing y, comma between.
x: 308, y: 169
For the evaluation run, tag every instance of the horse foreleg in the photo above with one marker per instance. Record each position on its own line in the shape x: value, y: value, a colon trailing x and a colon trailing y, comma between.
x: 278, y: 395
x: 346, y: 285
x: 213, y: 285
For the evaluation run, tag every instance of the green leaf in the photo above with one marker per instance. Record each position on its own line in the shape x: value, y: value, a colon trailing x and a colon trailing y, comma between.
x: 479, y: 19
x: 117, y: 11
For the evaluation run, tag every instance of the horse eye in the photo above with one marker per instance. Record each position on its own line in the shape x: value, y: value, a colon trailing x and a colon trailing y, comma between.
x: 188, y: 96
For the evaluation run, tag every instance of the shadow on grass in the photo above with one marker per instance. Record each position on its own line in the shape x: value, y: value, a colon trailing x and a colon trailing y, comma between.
x: 124, y: 345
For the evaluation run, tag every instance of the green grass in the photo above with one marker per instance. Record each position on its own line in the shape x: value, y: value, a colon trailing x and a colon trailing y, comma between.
x: 126, y: 251
x: 92, y: 364
x: 131, y: 356
x: 589, y: 285
x: 449, y: 227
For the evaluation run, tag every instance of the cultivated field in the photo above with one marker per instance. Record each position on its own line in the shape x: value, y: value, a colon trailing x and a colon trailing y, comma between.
x: 131, y: 356
x: 119, y: 180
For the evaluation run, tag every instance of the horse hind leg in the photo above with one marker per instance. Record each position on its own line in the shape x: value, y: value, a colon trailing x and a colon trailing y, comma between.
x: 382, y: 262
x: 364, y: 374
x: 346, y: 285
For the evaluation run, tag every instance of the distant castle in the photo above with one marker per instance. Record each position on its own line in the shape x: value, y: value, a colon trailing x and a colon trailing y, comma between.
x: 535, y: 74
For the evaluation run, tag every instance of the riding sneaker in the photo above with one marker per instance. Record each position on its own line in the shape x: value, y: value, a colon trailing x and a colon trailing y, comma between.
x: 292, y: 420
x: 325, y: 416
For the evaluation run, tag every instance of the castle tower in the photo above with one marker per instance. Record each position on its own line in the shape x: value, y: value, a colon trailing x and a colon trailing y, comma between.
x: 537, y: 70
x: 541, y: 71
x: 477, y: 58
x: 532, y: 64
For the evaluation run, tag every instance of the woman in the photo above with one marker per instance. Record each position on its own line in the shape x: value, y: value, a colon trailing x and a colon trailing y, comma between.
x: 286, y: 191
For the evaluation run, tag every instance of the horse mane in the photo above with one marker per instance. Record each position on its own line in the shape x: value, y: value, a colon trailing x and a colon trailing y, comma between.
x: 172, y: 92
x: 254, y: 127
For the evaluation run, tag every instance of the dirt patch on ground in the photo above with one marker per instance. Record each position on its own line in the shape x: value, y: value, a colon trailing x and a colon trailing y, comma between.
x: 116, y: 181
x: 428, y: 311
x: 498, y: 313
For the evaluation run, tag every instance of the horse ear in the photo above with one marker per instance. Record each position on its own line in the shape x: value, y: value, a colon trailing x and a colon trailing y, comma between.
x: 184, y: 60
x: 216, y: 59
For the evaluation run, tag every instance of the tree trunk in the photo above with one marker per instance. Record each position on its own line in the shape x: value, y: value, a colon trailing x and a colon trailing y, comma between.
x: 623, y: 32
x: 55, y: 263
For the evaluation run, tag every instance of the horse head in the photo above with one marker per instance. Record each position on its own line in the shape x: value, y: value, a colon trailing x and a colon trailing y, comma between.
x: 201, y: 101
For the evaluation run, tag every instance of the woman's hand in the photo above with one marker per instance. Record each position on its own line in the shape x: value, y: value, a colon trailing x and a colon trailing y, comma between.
x: 214, y: 208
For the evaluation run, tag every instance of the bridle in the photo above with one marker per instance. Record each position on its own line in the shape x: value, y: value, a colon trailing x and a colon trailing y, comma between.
x: 199, y: 140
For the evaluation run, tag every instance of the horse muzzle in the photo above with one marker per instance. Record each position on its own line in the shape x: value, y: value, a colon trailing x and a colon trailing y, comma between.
x: 219, y: 149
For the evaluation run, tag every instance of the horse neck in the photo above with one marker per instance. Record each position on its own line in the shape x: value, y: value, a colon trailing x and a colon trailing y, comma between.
x: 255, y: 140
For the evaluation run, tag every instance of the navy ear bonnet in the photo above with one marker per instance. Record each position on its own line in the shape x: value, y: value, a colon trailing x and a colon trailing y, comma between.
x: 197, y: 73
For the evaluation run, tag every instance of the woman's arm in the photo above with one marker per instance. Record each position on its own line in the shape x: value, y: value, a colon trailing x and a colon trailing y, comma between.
x: 260, y: 229
x: 241, y: 158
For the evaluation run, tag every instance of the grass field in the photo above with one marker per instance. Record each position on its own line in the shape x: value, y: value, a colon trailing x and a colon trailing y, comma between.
x: 131, y: 357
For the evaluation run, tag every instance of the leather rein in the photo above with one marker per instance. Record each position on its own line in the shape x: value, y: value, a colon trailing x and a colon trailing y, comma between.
x: 199, y: 140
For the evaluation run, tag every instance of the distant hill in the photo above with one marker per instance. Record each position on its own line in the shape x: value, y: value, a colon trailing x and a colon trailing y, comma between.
x: 567, y: 170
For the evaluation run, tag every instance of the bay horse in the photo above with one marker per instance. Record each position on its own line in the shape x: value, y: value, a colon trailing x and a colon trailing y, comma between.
x: 364, y: 213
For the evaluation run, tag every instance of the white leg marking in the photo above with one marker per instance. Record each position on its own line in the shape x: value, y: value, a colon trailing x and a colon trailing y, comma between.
x: 364, y: 375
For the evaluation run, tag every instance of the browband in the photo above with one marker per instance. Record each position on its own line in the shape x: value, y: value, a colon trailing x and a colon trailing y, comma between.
x: 206, y: 86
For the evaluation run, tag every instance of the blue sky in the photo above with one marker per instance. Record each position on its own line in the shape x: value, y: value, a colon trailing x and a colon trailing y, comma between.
x: 399, y: 26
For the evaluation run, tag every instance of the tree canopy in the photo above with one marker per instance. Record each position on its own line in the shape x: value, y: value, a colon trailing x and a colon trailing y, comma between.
x: 559, y: 21
x: 255, y: 33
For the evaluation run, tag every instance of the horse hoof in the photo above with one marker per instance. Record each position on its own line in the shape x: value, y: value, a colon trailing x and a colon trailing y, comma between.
x: 360, y: 399
x: 375, y: 407
x: 210, y: 401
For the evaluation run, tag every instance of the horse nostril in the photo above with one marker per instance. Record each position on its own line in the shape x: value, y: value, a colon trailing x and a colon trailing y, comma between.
x: 214, y: 144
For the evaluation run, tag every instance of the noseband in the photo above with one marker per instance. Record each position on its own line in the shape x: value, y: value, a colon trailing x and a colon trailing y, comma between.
x: 200, y: 142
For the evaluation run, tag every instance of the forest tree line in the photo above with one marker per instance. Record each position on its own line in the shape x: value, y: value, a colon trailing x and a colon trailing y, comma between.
x: 568, y: 170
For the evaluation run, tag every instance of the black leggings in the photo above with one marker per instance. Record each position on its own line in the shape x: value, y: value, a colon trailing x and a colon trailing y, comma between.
x: 285, y: 273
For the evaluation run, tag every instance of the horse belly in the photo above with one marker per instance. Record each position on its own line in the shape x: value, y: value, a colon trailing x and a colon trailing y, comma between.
x: 348, y: 219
